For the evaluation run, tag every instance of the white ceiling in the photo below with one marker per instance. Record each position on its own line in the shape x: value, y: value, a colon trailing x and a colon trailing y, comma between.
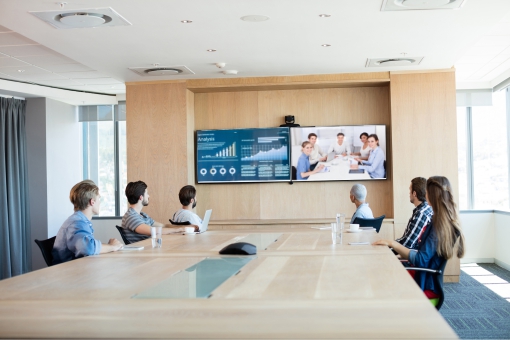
x: 475, y: 39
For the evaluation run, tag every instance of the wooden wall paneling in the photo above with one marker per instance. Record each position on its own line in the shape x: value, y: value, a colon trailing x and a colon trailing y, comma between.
x: 424, y: 138
x: 424, y: 132
x: 157, y: 144
x: 190, y: 133
x: 311, y: 107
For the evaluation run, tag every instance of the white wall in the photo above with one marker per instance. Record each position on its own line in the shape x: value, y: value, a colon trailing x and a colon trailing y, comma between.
x: 502, y: 233
x: 104, y: 230
x: 478, y: 228
x: 35, y: 124
x: 487, y: 235
x: 64, y: 160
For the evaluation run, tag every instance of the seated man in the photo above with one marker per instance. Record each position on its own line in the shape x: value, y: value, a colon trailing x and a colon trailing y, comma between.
x: 339, y: 147
x: 137, y: 224
x: 357, y: 195
x: 75, y: 237
x: 422, y: 213
x: 317, y: 154
x: 188, y: 199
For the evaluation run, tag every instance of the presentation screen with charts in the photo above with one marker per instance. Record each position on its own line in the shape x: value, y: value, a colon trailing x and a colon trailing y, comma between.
x: 243, y: 155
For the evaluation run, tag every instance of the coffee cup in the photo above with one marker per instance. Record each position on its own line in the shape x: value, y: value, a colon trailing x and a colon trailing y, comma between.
x: 354, y: 227
x: 189, y: 230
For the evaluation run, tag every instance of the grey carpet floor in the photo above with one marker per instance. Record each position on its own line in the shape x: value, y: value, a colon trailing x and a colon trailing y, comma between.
x: 474, y: 311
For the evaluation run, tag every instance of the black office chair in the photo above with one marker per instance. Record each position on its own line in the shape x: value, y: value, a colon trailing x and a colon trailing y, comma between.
x: 46, y: 247
x: 123, y: 235
x: 294, y: 173
x: 437, y: 276
x: 179, y: 223
x: 384, y: 165
x: 370, y: 222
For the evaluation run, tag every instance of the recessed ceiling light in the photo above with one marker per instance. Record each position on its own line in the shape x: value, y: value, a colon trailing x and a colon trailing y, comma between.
x: 324, y: 15
x: 211, y: 50
x: 254, y: 18
x: 21, y: 71
x: 186, y: 21
x: 113, y: 87
x: 325, y: 45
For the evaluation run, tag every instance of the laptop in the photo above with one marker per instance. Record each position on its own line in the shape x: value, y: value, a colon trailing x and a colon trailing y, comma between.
x: 331, y: 156
x: 205, y: 221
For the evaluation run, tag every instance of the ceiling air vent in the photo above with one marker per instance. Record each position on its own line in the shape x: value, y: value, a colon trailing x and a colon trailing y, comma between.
x: 82, y: 18
x: 393, y: 62
x: 159, y: 71
x: 409, y: 5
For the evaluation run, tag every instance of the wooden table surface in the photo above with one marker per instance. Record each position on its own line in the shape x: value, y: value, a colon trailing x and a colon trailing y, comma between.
x: 302, y: 286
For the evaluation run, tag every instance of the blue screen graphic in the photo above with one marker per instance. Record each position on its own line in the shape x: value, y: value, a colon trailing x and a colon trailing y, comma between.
x: 243, y: 155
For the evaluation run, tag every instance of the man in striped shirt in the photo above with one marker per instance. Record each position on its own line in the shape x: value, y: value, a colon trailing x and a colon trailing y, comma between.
x: 422, y: 213
x: 137, y: 224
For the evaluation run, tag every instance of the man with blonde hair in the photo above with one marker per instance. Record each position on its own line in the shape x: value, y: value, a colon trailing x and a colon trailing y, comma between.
x: 75, y: 237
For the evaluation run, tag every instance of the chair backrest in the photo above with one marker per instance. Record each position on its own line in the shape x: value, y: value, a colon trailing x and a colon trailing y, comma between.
x: 46, y: 247
x: 370, y: 222
x: 293, y: 173
x: 179, y: 223
x: 122, y: 234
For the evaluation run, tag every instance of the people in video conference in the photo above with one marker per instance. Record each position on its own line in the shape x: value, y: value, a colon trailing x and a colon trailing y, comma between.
x: 317, y: 154
x: 364, y: 152
x: 339, y: 147
x: 375, y: 163
x: 303, y: 165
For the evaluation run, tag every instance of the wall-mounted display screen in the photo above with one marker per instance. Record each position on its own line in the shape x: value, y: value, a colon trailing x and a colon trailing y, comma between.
x: 243, y: 155
x: 338, y: 153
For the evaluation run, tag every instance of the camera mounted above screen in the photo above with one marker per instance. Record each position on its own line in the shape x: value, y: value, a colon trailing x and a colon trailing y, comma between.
x: 289, y: 122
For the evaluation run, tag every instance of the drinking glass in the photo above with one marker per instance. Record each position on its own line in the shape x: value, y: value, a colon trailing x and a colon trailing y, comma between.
x: 156, y: 237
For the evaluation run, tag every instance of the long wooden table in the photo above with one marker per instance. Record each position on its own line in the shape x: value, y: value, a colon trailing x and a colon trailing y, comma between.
x: 301, y: 286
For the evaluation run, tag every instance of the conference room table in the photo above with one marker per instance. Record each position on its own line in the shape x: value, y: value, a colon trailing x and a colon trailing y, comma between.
x: 299, y: 285
x: 338, y: 169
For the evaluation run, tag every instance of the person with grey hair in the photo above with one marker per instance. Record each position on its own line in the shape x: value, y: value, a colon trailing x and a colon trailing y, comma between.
x: 358, y: 195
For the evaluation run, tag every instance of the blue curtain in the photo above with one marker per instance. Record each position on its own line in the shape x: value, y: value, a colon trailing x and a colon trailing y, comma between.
x: 14, y: 213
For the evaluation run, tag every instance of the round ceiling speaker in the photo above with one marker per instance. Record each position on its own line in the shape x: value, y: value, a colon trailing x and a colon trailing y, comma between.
x: 83, y: 20
x: 395, y: 62
x: 163, y: 71
x: 423, y: 4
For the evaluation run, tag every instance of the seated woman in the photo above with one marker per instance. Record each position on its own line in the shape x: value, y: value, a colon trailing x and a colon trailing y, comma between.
x: 364, y: 152
x: 437, y: 242
x: 303, y: 165
x: 375, y: 163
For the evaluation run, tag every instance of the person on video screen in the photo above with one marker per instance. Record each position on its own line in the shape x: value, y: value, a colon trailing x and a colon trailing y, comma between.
x: 375, y: 163
x: 303, y: 166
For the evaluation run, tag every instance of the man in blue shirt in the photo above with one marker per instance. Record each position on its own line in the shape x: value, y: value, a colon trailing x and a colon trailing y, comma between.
x: 358, y: 195
x: 76, y: 236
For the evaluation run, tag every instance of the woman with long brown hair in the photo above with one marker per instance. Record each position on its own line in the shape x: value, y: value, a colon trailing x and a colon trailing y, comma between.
x: 438, y: 240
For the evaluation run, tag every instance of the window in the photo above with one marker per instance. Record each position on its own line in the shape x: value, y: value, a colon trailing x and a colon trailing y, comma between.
x: 104, y: 154
x: 483, y: 154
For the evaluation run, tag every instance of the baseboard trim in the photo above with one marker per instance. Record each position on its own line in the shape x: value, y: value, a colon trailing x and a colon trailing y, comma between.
x: 477, y: 260
x: 503, y: 264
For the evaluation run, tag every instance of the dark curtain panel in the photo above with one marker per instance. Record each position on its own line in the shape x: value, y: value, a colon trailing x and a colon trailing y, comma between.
x: 14, y: 214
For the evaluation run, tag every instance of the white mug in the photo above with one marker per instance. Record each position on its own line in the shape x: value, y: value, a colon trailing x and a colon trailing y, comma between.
x: 189, y: 230
x: 354, y: 227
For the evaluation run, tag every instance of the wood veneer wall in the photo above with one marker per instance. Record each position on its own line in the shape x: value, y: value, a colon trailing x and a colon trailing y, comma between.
x: 159, y: 128
x: 424, y: 139
x: 311, y: 107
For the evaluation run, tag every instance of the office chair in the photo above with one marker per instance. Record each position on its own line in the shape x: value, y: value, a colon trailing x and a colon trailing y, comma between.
x: 46, y: 247
x: 370, y: 222
x: 437, y: 276
x: 123, y: 235
x: 179, y: 223
x: 384, y: 165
